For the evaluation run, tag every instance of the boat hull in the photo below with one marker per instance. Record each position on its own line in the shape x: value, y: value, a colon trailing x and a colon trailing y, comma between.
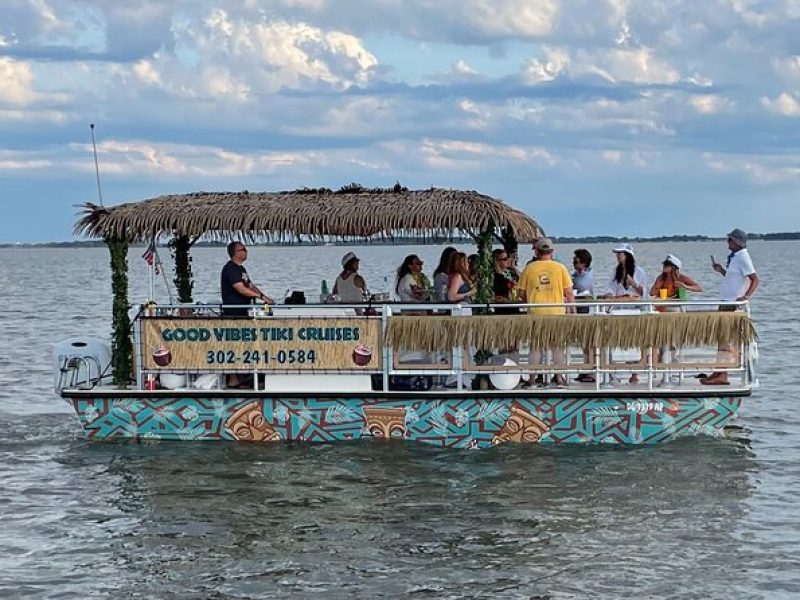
x: 466, y: 420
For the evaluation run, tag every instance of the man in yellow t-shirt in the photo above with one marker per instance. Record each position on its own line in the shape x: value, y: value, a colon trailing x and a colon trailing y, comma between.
x: 546, y: 281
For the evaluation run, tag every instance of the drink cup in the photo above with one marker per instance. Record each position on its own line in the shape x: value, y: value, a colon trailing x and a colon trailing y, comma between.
x: 682, y: 293
x: 662, y: 293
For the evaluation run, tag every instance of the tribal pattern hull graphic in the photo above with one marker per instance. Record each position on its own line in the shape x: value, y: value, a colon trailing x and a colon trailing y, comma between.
x: 461, y: 422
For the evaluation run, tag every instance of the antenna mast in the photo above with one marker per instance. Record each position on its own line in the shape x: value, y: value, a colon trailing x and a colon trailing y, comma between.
x: 96, y: 166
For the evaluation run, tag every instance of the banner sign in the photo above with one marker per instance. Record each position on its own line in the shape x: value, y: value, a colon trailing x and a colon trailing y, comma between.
x: 308, y: 344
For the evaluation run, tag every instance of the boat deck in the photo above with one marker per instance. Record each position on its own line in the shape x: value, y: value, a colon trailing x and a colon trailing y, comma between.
x: 688, y: 387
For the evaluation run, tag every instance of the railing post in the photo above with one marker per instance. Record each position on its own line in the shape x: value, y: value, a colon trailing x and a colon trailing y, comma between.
x: 388, y: 357
x: 137, y: 341
x: 458, y: 355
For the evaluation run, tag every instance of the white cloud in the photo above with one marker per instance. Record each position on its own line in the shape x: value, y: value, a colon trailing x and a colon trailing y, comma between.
x: 634, y: 158
x: 459, y: 71
x: 636, y: 65
x: 462, y: 68
x: 759, y: 170
x: 231, y: 58
x: 17, y: 78
x: 503, y: 18
x: 147, y: 73
x: 629, y: 65
x: 137, y: 158
x: 785, y: 104
x: 22, y: 161
x: 358, y: 116
x: 547, y: 68
x: 463, y: 154
x: 708, y: 104
x: 49, y: 117
x: 788, y: 66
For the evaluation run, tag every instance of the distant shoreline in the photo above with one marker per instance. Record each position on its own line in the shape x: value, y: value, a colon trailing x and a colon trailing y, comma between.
x: 597, y: 239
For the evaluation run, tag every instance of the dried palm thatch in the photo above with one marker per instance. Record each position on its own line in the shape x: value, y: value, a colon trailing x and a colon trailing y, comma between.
x: 315, y: 214
x: 432, y: 333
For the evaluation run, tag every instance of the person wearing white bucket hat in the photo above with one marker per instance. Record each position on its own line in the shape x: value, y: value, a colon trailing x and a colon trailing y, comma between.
x: 627, y: 278
x: 350, y: 286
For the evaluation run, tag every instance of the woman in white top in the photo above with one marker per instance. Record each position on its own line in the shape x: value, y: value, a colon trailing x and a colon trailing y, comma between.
x: 627, y: 279
x: 350, y: 287
x: 411, y: 285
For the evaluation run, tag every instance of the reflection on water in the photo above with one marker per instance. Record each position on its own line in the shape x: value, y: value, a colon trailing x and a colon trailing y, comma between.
x: 696, y: 518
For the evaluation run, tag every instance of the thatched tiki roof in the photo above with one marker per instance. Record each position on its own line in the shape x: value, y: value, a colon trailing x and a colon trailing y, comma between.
x: 350, y: 212
x: 440, y: 333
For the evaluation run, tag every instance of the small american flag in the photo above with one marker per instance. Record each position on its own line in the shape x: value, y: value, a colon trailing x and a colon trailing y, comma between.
x: 150, y: 256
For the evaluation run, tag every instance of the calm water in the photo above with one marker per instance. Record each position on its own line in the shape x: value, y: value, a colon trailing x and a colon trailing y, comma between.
x: 715, y: 518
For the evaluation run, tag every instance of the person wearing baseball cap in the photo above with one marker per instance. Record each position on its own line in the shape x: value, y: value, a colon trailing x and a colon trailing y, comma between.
x: 546, y: 281
x: 740, y: 277
x: 740, y: 283
x: 350, y: 287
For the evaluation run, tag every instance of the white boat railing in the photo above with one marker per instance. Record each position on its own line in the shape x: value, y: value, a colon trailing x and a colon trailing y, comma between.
x: 657, y: 369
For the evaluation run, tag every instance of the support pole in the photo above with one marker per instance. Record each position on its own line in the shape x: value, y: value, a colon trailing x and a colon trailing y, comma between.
x: 122, y: 348
x: 184, y: 279
x: 485, y: 293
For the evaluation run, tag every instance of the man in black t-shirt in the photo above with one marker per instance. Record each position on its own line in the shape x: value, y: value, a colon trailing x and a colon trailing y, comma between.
x: 502, y: 285
x: 235, y: 285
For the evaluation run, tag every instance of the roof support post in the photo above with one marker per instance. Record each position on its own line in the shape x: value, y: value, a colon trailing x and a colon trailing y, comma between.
x: 485, y: 293
x: 122, y: 348
x: 184, y: 278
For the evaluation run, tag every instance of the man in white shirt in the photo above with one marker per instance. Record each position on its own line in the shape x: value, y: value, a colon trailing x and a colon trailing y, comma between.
x: 741, y: 279
x: 740, y: 283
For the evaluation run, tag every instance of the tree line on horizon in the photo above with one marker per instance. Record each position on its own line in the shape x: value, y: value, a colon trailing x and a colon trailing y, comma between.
x: 591, y: 239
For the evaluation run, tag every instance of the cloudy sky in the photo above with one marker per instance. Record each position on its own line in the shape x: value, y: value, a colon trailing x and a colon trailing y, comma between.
x: 624, y: 117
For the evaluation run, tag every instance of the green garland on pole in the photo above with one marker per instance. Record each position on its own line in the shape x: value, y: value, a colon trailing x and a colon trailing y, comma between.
x: 485, y: 293
x: 122, y: 347
x: 184, y: 278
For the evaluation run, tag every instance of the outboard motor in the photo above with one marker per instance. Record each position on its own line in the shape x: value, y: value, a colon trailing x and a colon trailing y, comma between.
x: 81, y: 363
